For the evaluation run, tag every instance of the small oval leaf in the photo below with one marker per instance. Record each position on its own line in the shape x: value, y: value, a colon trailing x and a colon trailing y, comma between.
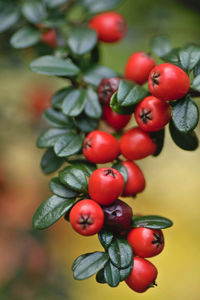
x: 59, y: 189
x: 120, y: 253
x: 90, y: 265
x: 129, y: 93
x: 74, y: 178
x: 68, y: 144
x: 151, y: 221
x: 105, y: 238
x: 185, y: 114
x: 49, y: 137
x: 124, y: 273
x: 111, y: 274
x: 50, y: 162
x: 50, y: 211
x: 59, y: 96
x: 186, y: 141
x: 92, y: 108
x: 86, y: 124
x: 123, y: 110
x: 57, y: 118
x: 51, y: 65
x: 25, y: 37
x: 74, y: 103
x: 122, y: 170
x: 82, y: 40
x: 161, y: 45
x: 96, y: 73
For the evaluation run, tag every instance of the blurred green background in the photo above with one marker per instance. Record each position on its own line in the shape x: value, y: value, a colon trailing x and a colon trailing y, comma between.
x: 172, y: 179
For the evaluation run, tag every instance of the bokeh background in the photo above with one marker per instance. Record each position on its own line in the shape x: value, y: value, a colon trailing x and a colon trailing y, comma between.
x: 37, y: 265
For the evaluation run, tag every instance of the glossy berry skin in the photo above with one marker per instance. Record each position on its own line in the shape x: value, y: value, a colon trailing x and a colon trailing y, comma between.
x: 49, y: 37
x: 152, y: 114
x: 136, y: 144
x: 105, y: 185
x: 100, y: 147
x: 117, y: 217
x: 106, y: 88
x: 138, y: 67
x: 114, y: 119
x: 146, y: 242
x: 142, y: 276
x: 86, y: 217
x: 135, y: 182
x: 168, y: 82
x: 110, y: 27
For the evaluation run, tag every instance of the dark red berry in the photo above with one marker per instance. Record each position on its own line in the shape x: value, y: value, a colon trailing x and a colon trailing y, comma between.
x: 117, y: 217
x: 106, y: 88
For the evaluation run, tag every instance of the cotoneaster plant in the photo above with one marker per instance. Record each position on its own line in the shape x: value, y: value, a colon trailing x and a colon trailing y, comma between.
x: 84, y: 191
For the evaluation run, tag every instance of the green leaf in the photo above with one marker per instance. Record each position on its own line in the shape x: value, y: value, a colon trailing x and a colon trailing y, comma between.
x: 9, y: 15
x: 50, y: 136
x: 57, y: 118
x: 92, y: 108
x: 154, y: 222
x: 124, y: 273
x: 83, y: 165
x: 196, y: 83
x: 173, y: 57
x: 82, y: 40
x: 78, y: 260
x: 51, y: 211
x: 120, y: 253
x: 130, y: 94
x: 197, y: 69
x: 58, y: 97
x: 159, y: 138
x: 68, y: 144
x: 86, y: 124
x: 25, y: 37
x: 120, y: 109
x: 90, y: 265
x: 74, y: 103
x: 51, y: 65
x: 34, y: 11
x: 161, y: 45
x: 185, y: 114
x: 122, y: 170
x: 186, y: 141
x: 55, y: 3
x: 59, y: 189
x: 189, y: 56
x: 111, y: 274
x: 96, y: 73
x: 50, y: 162
x: 100, y: 277
x: 74, y: 178
x: 96, y: 6
x: 105, y: 238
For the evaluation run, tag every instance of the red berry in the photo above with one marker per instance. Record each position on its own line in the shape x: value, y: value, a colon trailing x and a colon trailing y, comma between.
x: 142, y: 276
x: 146, y: 242
x: 138, y: 67
x: 110, y: 26
x: 106, y: 88
x: 86, y: 217
x: 49, y: 37
x: 105, y: 185
x: 136, y: 144
x: 114, y: 119
x: 135, y: 182
x: 152, y: 114
x: 100, y: 147
x: 168, y: 82
x: 117, y: 217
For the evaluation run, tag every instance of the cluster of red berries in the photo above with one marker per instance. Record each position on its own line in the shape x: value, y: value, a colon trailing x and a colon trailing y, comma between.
x: 166, y: 82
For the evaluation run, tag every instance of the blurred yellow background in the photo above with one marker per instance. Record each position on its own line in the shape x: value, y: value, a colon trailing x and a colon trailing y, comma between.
x: 172, y: 178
